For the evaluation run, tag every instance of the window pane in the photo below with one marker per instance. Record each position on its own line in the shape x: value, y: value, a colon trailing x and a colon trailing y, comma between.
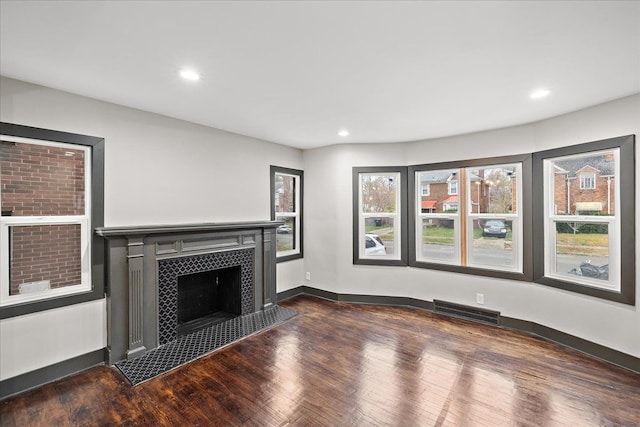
x: 584, y: 184
x: 438, y: 198
x: 378, y: 193
x: 44, y: 257
x: 492, y: 243
x: 438, y: 240
x: 39, y: 180
x: 285, y: 234
x: 493, y: 190
x: 379, y: 236
x: 582, y: 249
x: 285, y: 193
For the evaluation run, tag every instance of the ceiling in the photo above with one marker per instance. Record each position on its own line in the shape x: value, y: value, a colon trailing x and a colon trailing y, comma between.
x: 296, y: 73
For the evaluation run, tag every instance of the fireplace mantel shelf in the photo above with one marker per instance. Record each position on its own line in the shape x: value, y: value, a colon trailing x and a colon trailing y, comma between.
x: 144, y: 230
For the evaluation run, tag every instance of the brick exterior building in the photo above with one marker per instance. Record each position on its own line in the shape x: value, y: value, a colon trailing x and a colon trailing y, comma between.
x: 40, y: 180
x: 585, y: 185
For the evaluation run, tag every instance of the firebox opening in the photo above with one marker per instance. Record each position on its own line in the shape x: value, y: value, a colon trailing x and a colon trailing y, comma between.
x: 207, y: 298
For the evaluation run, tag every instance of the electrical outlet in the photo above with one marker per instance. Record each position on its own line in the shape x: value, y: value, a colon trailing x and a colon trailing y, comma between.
x: 480, y: 298
x: 308, y: 275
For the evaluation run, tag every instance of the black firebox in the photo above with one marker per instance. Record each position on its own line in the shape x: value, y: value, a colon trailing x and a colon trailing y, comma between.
x: 208, y: 297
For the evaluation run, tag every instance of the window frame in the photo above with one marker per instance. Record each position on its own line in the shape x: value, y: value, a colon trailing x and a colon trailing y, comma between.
x: 625, y: 219
x: 457, y: 187
x: 297, y: 214
x: 400, y: 215
x: 95, y: 204
x: 446, y: 215
x: 525, y: 208
x: 515, y: 218
x: 591, y: 178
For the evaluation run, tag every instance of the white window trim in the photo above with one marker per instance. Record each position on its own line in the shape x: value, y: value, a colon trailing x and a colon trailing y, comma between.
x: 515, y: 218
x: 451, y: 193
x: 591, y: 176
x: 295, y: 215
x: 613, y: 222
x: 418, y: 230
x: 395, y: 216
x: 85, y: 235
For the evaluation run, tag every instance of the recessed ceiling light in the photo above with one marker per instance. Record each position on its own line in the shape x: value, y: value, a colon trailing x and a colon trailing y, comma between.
x: 343, y: 133
x: 189, y: 75
x: 539, y: 93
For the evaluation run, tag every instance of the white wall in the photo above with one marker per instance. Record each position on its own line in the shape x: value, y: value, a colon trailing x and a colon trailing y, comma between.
x: 152, y: 161
x: 328, y: 227
x: 157, y: 171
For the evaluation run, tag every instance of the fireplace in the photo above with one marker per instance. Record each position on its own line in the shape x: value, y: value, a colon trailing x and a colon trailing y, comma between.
x: 166, y: 281
x: 207, y: 298
x: 202, y: 274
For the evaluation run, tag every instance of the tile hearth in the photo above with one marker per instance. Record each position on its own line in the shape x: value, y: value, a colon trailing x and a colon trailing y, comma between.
x: 200, y: 343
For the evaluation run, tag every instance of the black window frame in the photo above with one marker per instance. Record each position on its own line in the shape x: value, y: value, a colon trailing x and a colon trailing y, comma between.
x: 300, y: 174
x: 96, y: 144
x: 402, y: 215
x: 525, y: 209
x: 627, y: 233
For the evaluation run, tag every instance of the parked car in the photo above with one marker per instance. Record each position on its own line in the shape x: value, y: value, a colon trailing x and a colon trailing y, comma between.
x: 587, y: 269
x: 284, y: 228
x: 373, y: 245
x: 494, y: 228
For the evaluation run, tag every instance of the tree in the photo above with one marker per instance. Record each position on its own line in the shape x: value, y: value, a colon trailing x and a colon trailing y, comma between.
x: 500, y: 191
x: 378, y: 194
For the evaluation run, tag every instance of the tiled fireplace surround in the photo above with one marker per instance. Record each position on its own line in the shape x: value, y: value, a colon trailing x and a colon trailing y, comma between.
x: 143, y: 264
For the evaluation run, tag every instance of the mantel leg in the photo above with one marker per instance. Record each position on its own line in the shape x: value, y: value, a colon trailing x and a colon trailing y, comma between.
x: 135, y: 257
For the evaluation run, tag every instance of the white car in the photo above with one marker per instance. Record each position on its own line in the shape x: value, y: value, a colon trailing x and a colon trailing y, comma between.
x: 373, y: 245
x: 284, y: 228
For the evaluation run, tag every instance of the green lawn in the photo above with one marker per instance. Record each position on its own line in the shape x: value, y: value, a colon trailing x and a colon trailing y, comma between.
x: 385, y: 232
x: 444, y: 236
x: 568, y: 244
x: 582, y: 244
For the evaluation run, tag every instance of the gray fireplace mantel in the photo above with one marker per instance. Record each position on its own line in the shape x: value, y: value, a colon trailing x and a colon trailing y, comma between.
x: 132, y: 257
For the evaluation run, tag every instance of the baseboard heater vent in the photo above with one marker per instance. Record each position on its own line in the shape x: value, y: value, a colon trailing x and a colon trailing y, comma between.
x: 466, y: 312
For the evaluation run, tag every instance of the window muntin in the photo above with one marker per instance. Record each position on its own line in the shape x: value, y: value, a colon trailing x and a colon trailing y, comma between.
x: 581, y: 243
x: 286, y: 200
x: 378, y: 218
x: 45, y: 230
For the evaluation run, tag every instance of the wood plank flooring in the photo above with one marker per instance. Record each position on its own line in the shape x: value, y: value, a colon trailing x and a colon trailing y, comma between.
x: 353, y: 365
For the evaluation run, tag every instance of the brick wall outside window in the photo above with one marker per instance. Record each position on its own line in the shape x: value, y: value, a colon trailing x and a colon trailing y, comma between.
x: 45, y: 252
x: 39, y: 180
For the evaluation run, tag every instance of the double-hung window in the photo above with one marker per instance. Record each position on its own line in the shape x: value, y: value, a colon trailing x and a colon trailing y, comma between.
x: 379, y: 215
x: 286, y: 206
x: 46, y: 222
x: 494, y: 220
x: 438, y: 219
x: 585, y: 224
x: 472, y: 221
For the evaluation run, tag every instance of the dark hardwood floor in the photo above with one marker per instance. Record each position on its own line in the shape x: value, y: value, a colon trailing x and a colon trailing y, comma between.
x: 345, y: 364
